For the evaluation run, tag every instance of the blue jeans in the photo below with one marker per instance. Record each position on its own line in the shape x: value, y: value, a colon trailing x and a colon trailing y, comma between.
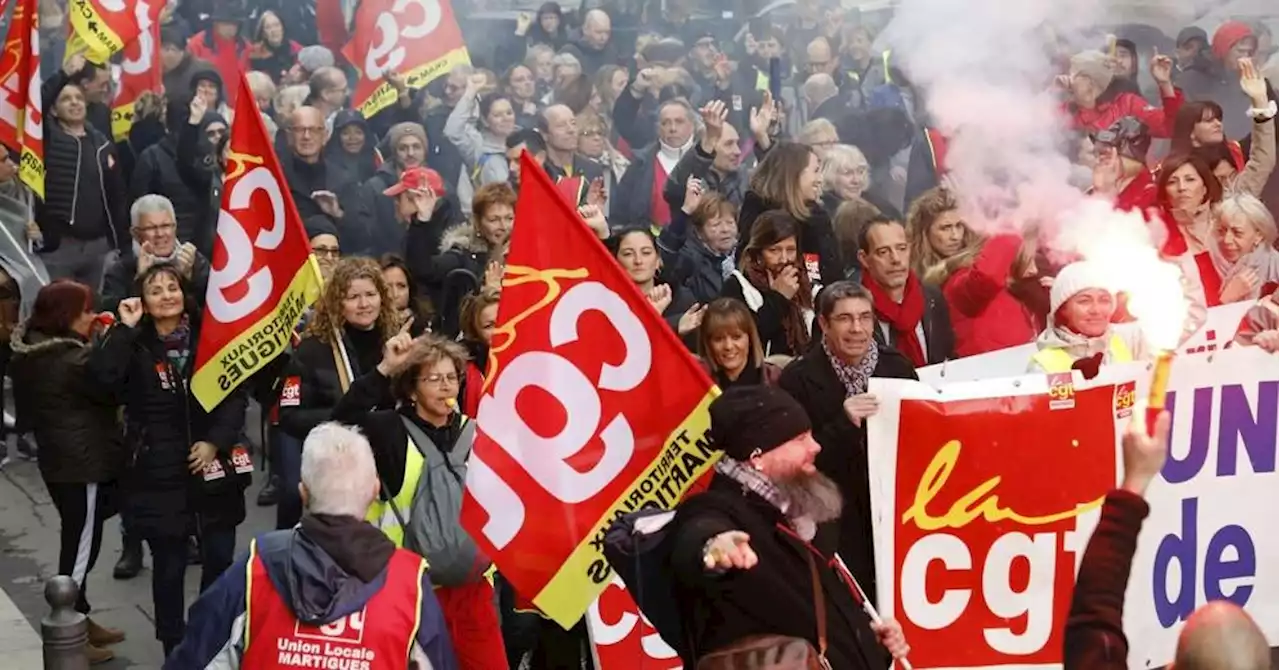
x: 169, y: 569
x: 289, y: 457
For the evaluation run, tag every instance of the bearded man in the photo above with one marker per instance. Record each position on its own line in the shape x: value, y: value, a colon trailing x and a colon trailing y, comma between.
x: 741, y: 551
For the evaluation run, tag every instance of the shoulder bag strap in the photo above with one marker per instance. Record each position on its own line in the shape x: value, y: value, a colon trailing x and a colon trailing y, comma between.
x: 820, y: 608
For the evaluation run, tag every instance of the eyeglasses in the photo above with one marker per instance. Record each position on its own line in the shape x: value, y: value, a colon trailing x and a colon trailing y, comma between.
x: 308, y: 130
x: 591, y: 133
x: 864, y: 319
x: 437, y: 379
x: 326, y: 252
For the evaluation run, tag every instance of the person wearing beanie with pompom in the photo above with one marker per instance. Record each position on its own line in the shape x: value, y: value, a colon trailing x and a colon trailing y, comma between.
x: 1096, y: 100
x: 1080, y: 333
x: 741, y: 558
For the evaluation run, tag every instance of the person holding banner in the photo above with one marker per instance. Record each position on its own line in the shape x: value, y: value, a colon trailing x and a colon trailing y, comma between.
x: 741, y: 556
x: 1218, y: 635
x: 182, y: 476
x: 1081, y: 304
x: 830, y: 381
x: 422, y: 449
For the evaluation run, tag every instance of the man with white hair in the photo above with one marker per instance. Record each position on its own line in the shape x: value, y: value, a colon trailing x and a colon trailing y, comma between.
x: 822, y: 98
x: 332, y: 588
x: 154, y: 227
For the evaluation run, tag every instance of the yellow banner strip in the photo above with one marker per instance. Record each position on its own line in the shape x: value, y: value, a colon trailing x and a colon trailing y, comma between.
x: 259, y: 344
x: 384, y: 96
x: 687, y: 457
x: 97, y: 35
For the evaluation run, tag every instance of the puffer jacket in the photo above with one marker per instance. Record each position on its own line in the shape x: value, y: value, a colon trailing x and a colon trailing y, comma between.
x: 65, y: 182
x: 76, y: 419
x: 163, y: 420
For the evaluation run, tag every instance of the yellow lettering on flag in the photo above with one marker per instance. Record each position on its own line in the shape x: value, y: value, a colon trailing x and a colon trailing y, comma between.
x: 418, y: 77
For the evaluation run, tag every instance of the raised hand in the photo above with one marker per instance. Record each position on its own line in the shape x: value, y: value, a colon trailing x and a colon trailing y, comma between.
x: 395, y: 353
x: 691, y: 320
x: 762, y: 118
x: 1161, y: 69
x: 197, y: 110
x: 1144, y: 454
x: 693, y: 190
x: 1252, y: 83
x: 596, y: 220
x: 660, y: 297
x: 523, y: 22
x: 713, y: 114
x: 424, y: 200
x: 130, y: 311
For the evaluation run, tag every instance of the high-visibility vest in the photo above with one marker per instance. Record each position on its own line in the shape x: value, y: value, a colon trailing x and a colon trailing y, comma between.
x: 382, y: 514
x: 1056, y: 359
x: 379, y: 636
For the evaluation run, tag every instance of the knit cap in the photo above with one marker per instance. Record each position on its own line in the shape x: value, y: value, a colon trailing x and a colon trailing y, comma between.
x: 1075, y: 278
x: 1094, y: 65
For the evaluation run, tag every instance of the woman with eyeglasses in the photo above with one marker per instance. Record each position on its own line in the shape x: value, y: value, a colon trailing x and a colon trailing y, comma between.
x: 343, y: 341
x: 422, y: 448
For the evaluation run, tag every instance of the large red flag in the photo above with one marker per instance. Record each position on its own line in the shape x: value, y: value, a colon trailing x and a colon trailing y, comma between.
x: 593, y: 409
x: 21, y: 116
x: 419, y: 39
x: 263, y: 274
x: 139, y: 72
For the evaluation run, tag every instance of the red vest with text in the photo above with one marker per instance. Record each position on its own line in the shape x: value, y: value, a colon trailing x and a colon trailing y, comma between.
x: 378, y: 637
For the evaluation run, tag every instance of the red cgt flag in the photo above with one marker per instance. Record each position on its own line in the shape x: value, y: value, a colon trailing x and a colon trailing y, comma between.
x: 263, y: 275
x: 21, y: 116
x: 419, y: 39
x: 593, y: 409
x: 140, y: 72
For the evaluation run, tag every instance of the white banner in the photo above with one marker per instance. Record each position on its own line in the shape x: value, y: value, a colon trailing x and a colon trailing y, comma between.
x: 983, y: 578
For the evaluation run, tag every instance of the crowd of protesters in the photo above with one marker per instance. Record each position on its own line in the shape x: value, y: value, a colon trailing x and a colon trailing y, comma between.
x: 780, y: 199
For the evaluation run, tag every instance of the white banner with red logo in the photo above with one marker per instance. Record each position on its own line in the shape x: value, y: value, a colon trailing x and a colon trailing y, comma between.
x: 985, y: 493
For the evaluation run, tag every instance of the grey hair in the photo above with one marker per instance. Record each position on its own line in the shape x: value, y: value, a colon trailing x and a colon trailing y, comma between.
x: 841, y: 157
x: 820, y: 87
x: 844, y: 289
x: 1248, y: 207
x: 150, y: 203
x: 531, y: 55
x: 809, y: 133
x: 565, y: 60
x: 261, y: 85
x: 290, y: 98
x: 683, y: 104
x: 462, y: 70
x: 338, y: 471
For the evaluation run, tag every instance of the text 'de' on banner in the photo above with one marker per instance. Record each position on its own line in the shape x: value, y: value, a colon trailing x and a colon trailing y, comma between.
x: 593, y: 409
x: 263, y: 275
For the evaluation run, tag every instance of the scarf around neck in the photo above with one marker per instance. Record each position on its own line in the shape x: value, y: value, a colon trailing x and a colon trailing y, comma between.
x: 754, y: 481
x: 903, y: 317
x: 855, y: 377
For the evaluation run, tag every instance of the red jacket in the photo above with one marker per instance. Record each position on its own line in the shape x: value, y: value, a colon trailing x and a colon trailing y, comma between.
x: 225, y: 57
x: 1158, y: 119
x: 985, y: 316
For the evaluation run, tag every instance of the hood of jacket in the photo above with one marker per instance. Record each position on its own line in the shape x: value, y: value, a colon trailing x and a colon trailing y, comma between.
x: 463, y: 237
x: 26, y: 342
x: 344, y: 118
x: 326, y: 568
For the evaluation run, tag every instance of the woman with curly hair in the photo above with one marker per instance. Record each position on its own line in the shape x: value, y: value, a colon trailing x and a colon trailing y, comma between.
x: 343, y: 341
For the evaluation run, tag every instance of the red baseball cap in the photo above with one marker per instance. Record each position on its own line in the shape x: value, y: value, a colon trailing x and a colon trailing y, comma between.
x: 417, y: 179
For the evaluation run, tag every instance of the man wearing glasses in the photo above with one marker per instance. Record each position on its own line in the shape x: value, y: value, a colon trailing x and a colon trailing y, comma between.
x: 154, y: 229
x: 318, y: 187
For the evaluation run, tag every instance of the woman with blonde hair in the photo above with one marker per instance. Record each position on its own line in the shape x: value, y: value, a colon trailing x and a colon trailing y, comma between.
x: 788, y: 179
x: 729, y: 346
x: 975, y: 274
x: 846, y: 177
x: 353, y: 318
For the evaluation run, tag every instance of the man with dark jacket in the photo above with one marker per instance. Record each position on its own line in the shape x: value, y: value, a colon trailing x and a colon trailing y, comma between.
x: 317, y: 186
x: 94, y: 82
x: 183, y: 180
x: 830, y: 381
x: 638, y: 199
x: 374, y: 230
x: 741, y: 553
x: 428, y: 211
x: 334, y: 578
x: 178, y: 64
x: 82, y: 216
x: 1218, y: 635
x: 559, y: 128
x: 715, y: 160
x: 153, y: 227
x: 596, y: 48
x: 911, y: 317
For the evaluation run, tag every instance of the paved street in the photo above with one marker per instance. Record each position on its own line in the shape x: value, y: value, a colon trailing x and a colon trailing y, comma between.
x: 29, y: 555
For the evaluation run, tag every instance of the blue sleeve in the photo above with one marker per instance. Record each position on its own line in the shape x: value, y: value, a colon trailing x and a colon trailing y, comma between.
x: 433, y: 636
x: 212, y: 622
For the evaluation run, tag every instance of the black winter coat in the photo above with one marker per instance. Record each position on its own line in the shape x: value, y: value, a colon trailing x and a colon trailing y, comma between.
x: 458, y: 270
x: 65, y: 182
x: 631, y: 203
x: 422, y: 243
x: 161, y: 171
x: 314, y: 372
x: 163, y: 420
x: 696, y: 163
x: 769, y: 317
x: 817, y: 237
x: 773, y: 598
x: 76, y: 420
x: 812, y: 381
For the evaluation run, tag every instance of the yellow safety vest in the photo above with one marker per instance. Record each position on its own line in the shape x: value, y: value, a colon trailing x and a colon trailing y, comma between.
x: 762, y: 80
x: 381, y: 514
x: 1058, y: 360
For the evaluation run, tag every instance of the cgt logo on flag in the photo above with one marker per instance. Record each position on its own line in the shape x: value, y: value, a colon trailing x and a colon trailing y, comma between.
x: 1126, y: 398
x: 593, y: 409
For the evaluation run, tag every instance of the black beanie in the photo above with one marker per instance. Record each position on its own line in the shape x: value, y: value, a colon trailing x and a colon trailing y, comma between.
x: 747, y: 418
x: 320, y: 224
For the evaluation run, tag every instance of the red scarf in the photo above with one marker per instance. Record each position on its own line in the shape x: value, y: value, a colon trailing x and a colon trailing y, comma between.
x: 903, y: 317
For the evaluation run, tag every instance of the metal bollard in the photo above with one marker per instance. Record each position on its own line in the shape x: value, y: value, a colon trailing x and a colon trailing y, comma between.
x: 65, y: 631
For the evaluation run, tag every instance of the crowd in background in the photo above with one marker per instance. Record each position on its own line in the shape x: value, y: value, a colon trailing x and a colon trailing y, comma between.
x: 732, y: 179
